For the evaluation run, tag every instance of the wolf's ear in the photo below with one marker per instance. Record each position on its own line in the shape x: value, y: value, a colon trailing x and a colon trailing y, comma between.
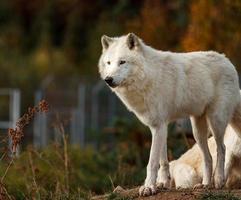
x: 132, y: 41
x: 106, y: 41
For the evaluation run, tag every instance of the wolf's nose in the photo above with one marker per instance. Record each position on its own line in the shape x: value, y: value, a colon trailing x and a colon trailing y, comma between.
x: 109, y: 80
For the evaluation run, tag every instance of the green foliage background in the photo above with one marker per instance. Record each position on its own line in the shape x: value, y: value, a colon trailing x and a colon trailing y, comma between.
x: 61, y: 38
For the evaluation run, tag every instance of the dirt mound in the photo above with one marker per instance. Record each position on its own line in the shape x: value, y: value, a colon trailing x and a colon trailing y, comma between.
x: 172, y: 194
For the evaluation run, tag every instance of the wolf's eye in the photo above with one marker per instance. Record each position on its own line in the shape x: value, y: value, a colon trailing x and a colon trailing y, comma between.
x: 122, y: 62
x: 108, y: 62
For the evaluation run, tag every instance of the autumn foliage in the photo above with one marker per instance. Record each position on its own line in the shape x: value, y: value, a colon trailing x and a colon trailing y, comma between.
x: 215, y: 25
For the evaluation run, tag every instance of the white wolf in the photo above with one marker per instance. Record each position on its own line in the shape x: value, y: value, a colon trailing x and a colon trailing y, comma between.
x: 160, y: 87
x: 186, y: 172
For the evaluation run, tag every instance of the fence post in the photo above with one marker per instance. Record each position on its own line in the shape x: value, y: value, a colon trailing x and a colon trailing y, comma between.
x: 40, y: 125
x: 14, y: 110
x: 78, y: 120
x: 81, y: 113
x: 95, y: 105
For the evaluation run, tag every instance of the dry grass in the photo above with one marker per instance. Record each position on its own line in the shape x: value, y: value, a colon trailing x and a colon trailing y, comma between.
x: 15, y: 136
x: 17, y: 133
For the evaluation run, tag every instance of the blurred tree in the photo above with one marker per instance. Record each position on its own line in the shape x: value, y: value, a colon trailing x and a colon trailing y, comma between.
x: 61, y: 38
x: 160, y: 23
x: 81, y: 17
x: 25, y: 14
x: 111, y: 22
x: 215, y: 25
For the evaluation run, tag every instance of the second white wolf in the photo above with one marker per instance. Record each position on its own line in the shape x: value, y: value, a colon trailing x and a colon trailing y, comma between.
x: 160, y: 87
x: 187, y: 171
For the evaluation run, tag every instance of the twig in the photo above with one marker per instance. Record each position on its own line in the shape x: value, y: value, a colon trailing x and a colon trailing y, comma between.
x: 66, y: 162
x: 111, y: 181
x: 33, y: 173
x: 4, y: 192
x: 59, y: 125
x: 6, y: 171
x: 4, y: 154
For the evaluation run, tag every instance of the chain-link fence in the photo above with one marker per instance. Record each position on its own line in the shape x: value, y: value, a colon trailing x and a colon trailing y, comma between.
x: 82, y: 111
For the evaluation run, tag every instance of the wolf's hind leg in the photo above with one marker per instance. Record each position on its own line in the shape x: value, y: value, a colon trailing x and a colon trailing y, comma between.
x: 185, y: 176
x: 218, y: 123
x: 228, y: 164
x: 200, y: 133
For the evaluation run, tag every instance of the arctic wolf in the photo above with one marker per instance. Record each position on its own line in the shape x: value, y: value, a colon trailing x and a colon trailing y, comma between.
x: 160, y: 87
x: 186, y: 172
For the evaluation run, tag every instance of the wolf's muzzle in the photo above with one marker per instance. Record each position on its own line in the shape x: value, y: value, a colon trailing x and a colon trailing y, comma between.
x: 110, y: 81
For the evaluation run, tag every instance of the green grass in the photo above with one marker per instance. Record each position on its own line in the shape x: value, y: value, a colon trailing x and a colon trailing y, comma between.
x: 43, y: 174
x: 219, y: 196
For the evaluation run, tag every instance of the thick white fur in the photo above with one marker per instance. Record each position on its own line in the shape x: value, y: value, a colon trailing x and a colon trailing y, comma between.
x: 186, y: 172
x: 160, y: 87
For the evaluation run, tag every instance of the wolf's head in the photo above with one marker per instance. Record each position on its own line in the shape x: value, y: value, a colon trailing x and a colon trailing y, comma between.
x: 121, y: 59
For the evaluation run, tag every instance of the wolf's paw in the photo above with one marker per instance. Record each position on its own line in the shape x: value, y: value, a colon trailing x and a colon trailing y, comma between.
x: 219, y: 182
x: 180, y: 188
x: 163, y: 180
x: 147, y: 190
x: 201, y: 186
x: 163, y: 185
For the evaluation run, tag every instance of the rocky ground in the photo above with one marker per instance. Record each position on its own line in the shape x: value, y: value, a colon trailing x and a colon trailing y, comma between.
x: 121, y: 194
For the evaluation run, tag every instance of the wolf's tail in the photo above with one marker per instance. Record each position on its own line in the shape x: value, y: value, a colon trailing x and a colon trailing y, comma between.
x: 236, y: 120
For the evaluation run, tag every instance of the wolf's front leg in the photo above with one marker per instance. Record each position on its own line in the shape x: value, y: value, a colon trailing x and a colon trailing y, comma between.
x: 158, y: 150
x: 163, y: 178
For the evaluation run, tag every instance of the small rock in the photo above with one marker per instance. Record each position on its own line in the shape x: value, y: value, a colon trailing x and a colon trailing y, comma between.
x: 118, y: 189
